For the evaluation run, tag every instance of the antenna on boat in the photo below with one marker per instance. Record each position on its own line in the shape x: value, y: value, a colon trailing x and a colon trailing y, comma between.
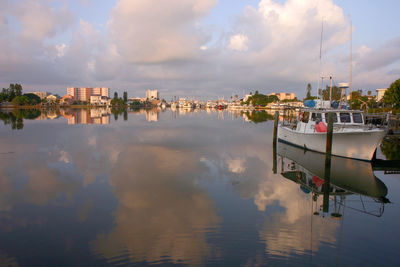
x: 320, y: 54
x: 330, y: 93
x: 351, y: 57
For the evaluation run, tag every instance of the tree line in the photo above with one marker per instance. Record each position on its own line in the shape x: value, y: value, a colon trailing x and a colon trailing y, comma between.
x: 14, y: 95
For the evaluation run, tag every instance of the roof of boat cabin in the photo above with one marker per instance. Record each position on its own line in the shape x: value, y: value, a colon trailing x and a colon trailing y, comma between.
x: 331, y: 110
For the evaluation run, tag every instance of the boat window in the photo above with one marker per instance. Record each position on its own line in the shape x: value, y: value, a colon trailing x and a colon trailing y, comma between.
x: 306, y: 116
x: 334, y: 115
x: 316, y: 116
x: 344, y: 117
x: 357, y: 118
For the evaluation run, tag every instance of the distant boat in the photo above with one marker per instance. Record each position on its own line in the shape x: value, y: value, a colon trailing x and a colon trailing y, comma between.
x: 211, y: 104
x: 351, y: 137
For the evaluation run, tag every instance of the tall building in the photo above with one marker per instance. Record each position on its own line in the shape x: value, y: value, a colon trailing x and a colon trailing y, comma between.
x: 84, y: 93
x: 152, y: 94
x: 101, y: 91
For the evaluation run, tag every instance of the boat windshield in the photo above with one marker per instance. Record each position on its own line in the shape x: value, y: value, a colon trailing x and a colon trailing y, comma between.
x: 345, y: 117
x: 334, y: 115
x: 357, y: 118
x: 316, y: 116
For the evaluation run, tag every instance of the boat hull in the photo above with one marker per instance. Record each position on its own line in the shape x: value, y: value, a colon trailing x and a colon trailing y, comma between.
x: 356, y: 145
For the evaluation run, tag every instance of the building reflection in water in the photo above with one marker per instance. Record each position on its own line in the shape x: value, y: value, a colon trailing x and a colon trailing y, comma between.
x: 87, y: 116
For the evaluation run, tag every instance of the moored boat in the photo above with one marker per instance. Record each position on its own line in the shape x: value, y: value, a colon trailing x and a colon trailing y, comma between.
x: 351, y: 137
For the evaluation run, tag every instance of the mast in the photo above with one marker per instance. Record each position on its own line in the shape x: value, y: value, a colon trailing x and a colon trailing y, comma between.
x: 330, y: 94
x: 351, y: 58
x: 320, y: 57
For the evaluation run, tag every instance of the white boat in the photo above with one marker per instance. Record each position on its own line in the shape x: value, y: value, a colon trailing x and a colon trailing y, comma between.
x: 351, y: 137
x: 211, y: 104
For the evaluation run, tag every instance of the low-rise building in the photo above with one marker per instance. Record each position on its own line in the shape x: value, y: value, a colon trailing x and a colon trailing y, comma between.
x: 66, y: 100
x: 380, y: 92
x: 99, y: 100
x: 284, y: 96
x: 51, y: 98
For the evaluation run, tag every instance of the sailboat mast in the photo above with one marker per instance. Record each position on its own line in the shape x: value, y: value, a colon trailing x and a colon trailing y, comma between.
x: 320, y: 55
x: 351, y: 58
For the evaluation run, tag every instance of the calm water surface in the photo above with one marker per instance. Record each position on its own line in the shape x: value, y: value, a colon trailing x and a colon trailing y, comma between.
x: 81, y: 188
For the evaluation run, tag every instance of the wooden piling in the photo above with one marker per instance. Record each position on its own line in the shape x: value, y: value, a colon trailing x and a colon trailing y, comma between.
x: 328, y: 155
x: 275, y: 141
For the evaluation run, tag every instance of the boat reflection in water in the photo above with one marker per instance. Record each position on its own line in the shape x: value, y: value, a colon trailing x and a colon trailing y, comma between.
x: 348, y: 177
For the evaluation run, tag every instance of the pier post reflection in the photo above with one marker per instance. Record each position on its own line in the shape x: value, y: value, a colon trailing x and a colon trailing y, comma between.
x: 328, y: 155
x: 274, y: 141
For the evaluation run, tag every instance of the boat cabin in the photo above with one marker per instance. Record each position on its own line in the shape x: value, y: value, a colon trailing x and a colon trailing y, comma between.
x: 308, y: 119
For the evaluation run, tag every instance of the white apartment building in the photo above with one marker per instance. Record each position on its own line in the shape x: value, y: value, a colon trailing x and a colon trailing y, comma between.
x: 152, y: 94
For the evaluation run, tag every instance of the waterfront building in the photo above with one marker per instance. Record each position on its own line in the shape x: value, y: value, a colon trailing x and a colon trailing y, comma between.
x: 283, y: 96
x: 136, y: 99
x: 101, y: 91
x: 246, y: 97
x: 66, y: 100
x: 51, y: 98
x: 380, y: 92
x: 152, y: 94
x: 99, y: 100
x: 40, y: 94
x: 84, y: 93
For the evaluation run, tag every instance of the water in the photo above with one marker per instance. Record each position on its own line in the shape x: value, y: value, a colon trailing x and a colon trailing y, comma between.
x: 183, y: 188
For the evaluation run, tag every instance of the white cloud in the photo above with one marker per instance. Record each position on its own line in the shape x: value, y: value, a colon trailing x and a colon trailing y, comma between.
x: 171, y: 45
x: 239, y: 42
x: 61, y: 50
x: 40, y: 20
x: 158, y: 31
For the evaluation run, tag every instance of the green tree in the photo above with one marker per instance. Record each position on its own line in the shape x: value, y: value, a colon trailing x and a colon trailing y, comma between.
x: 20, y: 101
x: 17, y: 88
x: 33, y: 99
x: 391, y: 149
x: 336, y: 93
x: 8, y: 94
x: 261, y: 99
x: 392, y: 94
x: 308, y: 95
x: 125, y: 96
x: 115, y: 95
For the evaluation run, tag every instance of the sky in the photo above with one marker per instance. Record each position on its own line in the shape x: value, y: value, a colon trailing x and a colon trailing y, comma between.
x: 197, y: 48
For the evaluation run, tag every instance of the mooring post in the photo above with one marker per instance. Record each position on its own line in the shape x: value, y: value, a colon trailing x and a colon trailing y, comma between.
x: 274, y: 141
x: 328, y: 154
